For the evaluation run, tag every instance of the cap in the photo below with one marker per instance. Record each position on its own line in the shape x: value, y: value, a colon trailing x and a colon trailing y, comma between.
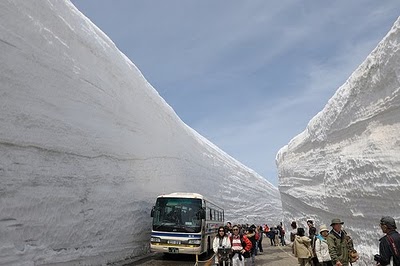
x: 323, y: 228
x: 336, y: 221
x: 389, y: 221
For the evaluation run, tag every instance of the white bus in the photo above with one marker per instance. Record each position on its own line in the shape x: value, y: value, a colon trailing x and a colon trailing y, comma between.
x: 184, y: 223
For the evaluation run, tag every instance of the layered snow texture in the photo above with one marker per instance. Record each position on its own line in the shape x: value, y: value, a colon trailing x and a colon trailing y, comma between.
x: 87, y: 144
x: 346, y: 164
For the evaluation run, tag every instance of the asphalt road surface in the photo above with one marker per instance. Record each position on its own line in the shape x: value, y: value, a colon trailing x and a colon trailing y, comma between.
x: 272, y: 256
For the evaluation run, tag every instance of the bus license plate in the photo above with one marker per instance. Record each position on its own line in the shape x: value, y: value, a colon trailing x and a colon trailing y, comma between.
x: 174, y: 242
x: 173, y: 250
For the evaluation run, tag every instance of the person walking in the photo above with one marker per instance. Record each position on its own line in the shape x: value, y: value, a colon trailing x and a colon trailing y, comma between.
x: 241, y: 247
x: 339, y: 244
x: 260, y: 239
x: 322, y: 248
x: 221, y: 240
x: 389, y: 245
x: 302, y: 248
x: 282, y: 233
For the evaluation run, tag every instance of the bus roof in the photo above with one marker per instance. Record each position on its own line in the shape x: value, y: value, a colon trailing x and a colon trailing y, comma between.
x: 182, y: 195
x: 188, y: 196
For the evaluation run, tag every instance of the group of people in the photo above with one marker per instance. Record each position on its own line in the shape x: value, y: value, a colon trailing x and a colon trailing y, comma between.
x: 241, y: 242
x: 335, y: 247
x: 328, y: 248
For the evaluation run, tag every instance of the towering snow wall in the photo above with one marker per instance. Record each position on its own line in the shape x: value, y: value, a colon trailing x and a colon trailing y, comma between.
x: 346, y: 164
x: 86, y: 145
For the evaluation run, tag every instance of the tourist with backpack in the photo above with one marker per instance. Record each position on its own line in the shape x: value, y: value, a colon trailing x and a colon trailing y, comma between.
x: 389, y: 245
x: 241, y: 247
x: 302, y: 247
x: 340, y: 245
x: 322, y: 248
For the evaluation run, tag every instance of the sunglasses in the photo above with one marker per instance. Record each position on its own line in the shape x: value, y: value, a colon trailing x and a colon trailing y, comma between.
x: 221, y: 230
x: 235, y: 229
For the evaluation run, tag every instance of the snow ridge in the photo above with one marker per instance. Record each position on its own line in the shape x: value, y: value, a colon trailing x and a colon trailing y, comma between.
x: 346, y: 163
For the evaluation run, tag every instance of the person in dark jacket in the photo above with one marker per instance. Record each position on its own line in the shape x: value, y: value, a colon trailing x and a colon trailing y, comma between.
x: 389, y: 245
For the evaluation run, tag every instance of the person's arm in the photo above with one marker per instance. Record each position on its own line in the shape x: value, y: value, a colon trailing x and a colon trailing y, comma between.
x: 248, y: 244
x: 332, y: 249
x: 215, y: 245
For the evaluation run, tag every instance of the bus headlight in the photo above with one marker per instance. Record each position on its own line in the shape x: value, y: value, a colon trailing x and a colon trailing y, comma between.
x: 155, y: 239
x: 194, y: 241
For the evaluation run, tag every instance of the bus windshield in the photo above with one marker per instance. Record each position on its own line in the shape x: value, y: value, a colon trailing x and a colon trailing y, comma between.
x: 177, y: 215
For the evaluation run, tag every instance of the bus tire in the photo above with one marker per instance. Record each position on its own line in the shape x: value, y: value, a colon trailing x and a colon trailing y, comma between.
x: 208, y: 247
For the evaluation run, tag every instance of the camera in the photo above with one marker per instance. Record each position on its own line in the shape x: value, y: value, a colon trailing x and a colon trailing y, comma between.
x: 378, y: 258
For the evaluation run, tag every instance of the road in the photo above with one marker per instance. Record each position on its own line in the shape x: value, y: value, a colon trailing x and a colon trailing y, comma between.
x: 272, y: 256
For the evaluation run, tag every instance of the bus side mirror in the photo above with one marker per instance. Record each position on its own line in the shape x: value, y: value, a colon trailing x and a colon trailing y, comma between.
x: 202, y: 213
x: 152, y: 212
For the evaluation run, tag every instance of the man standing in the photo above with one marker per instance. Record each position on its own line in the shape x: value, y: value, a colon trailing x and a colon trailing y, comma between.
x: 339, y: 244
x: 312, y: 231
x: 389, y: 245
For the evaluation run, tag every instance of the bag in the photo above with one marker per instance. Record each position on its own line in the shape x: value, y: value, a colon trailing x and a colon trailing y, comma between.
x: 353, y: 255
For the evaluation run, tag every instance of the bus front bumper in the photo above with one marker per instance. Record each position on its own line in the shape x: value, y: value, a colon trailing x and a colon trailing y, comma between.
x: 175, y: 249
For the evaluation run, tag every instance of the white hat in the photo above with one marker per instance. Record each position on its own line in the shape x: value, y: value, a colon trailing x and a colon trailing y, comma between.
x: 323, y: 228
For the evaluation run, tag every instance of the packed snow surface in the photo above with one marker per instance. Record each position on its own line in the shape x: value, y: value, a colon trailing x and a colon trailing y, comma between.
x: 346, y: 164
x: 87, y: 144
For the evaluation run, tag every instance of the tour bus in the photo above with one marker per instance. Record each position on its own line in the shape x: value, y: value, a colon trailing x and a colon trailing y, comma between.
x: 184, y: 223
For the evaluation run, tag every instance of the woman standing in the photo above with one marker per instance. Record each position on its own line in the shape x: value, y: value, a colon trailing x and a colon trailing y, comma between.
x: 302, y: 248
x: 221, y: 240
x: 321, y: 247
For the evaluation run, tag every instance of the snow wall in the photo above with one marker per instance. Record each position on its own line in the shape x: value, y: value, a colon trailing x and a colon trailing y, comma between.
x: 346, y: 164
x: 87, y: 144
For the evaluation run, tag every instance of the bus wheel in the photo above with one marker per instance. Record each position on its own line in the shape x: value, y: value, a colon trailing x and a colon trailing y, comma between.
x: 208, y: 247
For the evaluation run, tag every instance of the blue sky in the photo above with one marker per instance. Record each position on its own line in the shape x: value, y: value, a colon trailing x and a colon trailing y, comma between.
x: 247, y: 75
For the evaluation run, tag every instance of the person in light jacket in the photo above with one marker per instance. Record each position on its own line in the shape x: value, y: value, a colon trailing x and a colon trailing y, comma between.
x: 302, y: 248
x: 220, y: 240
x: 322, y: 248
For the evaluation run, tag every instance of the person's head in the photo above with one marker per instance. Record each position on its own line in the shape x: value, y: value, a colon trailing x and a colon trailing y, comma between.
x: 235, y: 230
x: 300, y: 231
x: 229, y: 225
x: 250, y: 230
x: 337, y: 224
x: 323, y: 230
x: 310, y: 223
x: 387, y: 224
x: 221, y: 231
x: 293, y: 225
